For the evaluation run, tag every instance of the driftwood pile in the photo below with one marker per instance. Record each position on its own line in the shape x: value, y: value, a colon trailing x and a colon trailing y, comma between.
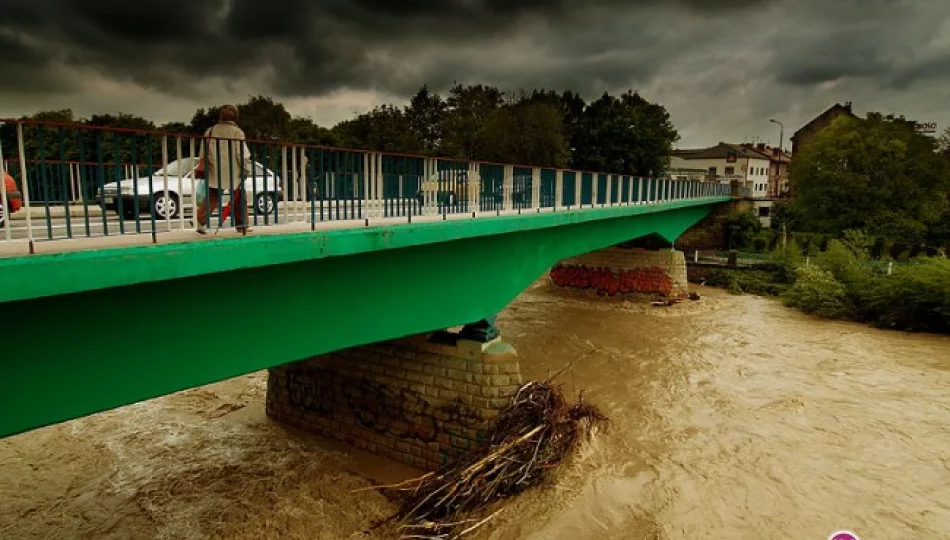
x: 526, y: 442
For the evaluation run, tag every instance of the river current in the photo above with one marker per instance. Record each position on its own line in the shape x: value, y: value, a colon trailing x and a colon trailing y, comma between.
x: 732, y: 417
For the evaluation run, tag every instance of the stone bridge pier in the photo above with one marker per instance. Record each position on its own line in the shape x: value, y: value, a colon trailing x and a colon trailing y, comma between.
x: 421, y: 400
x: 626, y: 269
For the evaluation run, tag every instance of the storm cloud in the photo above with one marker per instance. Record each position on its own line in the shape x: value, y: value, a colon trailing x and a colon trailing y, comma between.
x: 722, y: 68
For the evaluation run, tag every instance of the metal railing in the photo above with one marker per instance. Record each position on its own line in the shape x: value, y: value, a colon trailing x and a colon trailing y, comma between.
x: 84, y: 181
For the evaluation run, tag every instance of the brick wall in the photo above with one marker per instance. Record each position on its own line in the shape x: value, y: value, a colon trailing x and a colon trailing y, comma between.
x: 710, y: 232
x: 412, y: 400
x: 621, y: 271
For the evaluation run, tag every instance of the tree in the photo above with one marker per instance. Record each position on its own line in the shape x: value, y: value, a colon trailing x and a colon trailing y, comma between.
x: 529, y: 132
x: 384, y: 129
x: 877, y: 174
x: 425, y: 115
x: 468, y: 107
x: 264, y: 119
x: 626, y: 135
x: 304, y: 131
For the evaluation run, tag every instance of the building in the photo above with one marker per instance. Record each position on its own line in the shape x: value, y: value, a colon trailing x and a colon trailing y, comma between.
x: 779, y: 162
x: 808, y: 132
x: 725, y: 163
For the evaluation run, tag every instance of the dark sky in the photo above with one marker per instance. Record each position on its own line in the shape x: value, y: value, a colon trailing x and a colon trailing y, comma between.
x: 722, y: 68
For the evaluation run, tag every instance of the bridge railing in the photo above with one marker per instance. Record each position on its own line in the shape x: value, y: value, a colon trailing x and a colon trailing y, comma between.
x: 85, y: 181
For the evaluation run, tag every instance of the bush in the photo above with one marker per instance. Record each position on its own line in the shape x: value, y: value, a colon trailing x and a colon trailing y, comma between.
x: 761, y: 282
x: 817, y: 291
x: 880, y: 248
x: 858, y: 242
x: 915, y: 297
x: 786, y: 261
x: 759, y: 245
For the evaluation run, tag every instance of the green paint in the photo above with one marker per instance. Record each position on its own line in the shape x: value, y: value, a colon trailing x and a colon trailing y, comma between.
x: 184, y: 315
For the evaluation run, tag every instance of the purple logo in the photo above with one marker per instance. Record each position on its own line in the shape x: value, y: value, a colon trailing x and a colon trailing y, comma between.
x: 843, y: 535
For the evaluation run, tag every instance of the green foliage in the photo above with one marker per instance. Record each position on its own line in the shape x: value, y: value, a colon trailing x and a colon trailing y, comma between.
x: 858, y: 242
x: 784, y: 214
x: 786, y: 261
x: 527, y: 132
x: 875, y: 174
x: 740, y: 227
x: 385, y: 129
x: 915, y: 297
x: 759, y: 244
x: 817, y: 291
x: 761, y: 281
x: 625, y: 134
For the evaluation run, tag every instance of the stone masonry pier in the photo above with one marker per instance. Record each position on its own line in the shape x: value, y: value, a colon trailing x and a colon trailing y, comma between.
x: 421, y: 400
x: 625, y: 271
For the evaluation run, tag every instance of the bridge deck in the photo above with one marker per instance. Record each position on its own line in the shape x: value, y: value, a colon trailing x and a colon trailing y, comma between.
x: 76, y: 265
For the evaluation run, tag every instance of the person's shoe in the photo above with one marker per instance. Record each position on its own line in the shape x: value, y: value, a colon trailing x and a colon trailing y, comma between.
x: 201, y: 230
x: 244, y: 230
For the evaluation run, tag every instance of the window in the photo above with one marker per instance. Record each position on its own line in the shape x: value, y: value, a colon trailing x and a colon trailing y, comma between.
x: 763, y: 211
x: 713, y: 171
x: 729, y: 171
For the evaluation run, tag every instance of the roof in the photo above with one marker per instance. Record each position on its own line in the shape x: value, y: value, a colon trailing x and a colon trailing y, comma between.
x: 721, y: 150
x: 846, y: 109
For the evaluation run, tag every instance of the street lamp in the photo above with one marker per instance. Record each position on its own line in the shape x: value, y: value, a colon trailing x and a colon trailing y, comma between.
x: 781, y: 137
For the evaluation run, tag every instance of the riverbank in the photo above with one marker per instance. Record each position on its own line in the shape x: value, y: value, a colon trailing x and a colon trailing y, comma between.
x: 733, y: 417
x: 842, y: 282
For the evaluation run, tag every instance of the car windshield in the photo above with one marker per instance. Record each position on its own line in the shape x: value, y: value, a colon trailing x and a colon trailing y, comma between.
x: 184, y: 165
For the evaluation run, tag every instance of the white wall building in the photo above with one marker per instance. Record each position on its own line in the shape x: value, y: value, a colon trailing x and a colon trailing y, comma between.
x: 727, y: 162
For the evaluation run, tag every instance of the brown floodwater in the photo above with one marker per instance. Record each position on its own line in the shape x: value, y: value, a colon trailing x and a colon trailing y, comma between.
x: 733, y: 417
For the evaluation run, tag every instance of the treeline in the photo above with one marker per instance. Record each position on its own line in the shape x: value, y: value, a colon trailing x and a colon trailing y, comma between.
x: 623, y: 134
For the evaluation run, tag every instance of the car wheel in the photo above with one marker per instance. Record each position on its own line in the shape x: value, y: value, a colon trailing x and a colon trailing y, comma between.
x: 265, y: 203
x: 163, y: 207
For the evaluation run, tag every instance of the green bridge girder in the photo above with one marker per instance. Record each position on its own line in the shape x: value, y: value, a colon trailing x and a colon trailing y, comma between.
x: 93, y: 330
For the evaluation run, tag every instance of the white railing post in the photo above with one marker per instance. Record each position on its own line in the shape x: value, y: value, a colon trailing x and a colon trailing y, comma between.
x: 168, y: 218
x: 594, y: 192
x: 640, y: 190
x: 181, y: 185
x: 25, y: 184
x: 578, y: 178
x: 364, y: 200
x: 474, y: 188
x: 194, y: 194
x: 283, y: 174
x: 558, y: 189
x: 610, y: 188
x: 3, y: 193
x: 535, y: 188
x: 508, y: 186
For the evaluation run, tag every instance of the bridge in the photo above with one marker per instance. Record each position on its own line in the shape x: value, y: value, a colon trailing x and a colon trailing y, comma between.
x: 110, y: 298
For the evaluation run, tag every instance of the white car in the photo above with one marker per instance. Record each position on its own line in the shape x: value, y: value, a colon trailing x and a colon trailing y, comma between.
x: 262, y: 186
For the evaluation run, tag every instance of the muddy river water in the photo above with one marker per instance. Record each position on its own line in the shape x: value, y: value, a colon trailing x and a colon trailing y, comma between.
x: 733, y: 417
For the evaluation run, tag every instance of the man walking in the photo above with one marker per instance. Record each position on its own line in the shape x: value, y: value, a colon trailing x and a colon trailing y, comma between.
x: 225, y: 158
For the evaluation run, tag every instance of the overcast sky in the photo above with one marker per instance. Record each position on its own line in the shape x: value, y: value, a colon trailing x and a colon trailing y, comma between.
x: 722, y: 68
